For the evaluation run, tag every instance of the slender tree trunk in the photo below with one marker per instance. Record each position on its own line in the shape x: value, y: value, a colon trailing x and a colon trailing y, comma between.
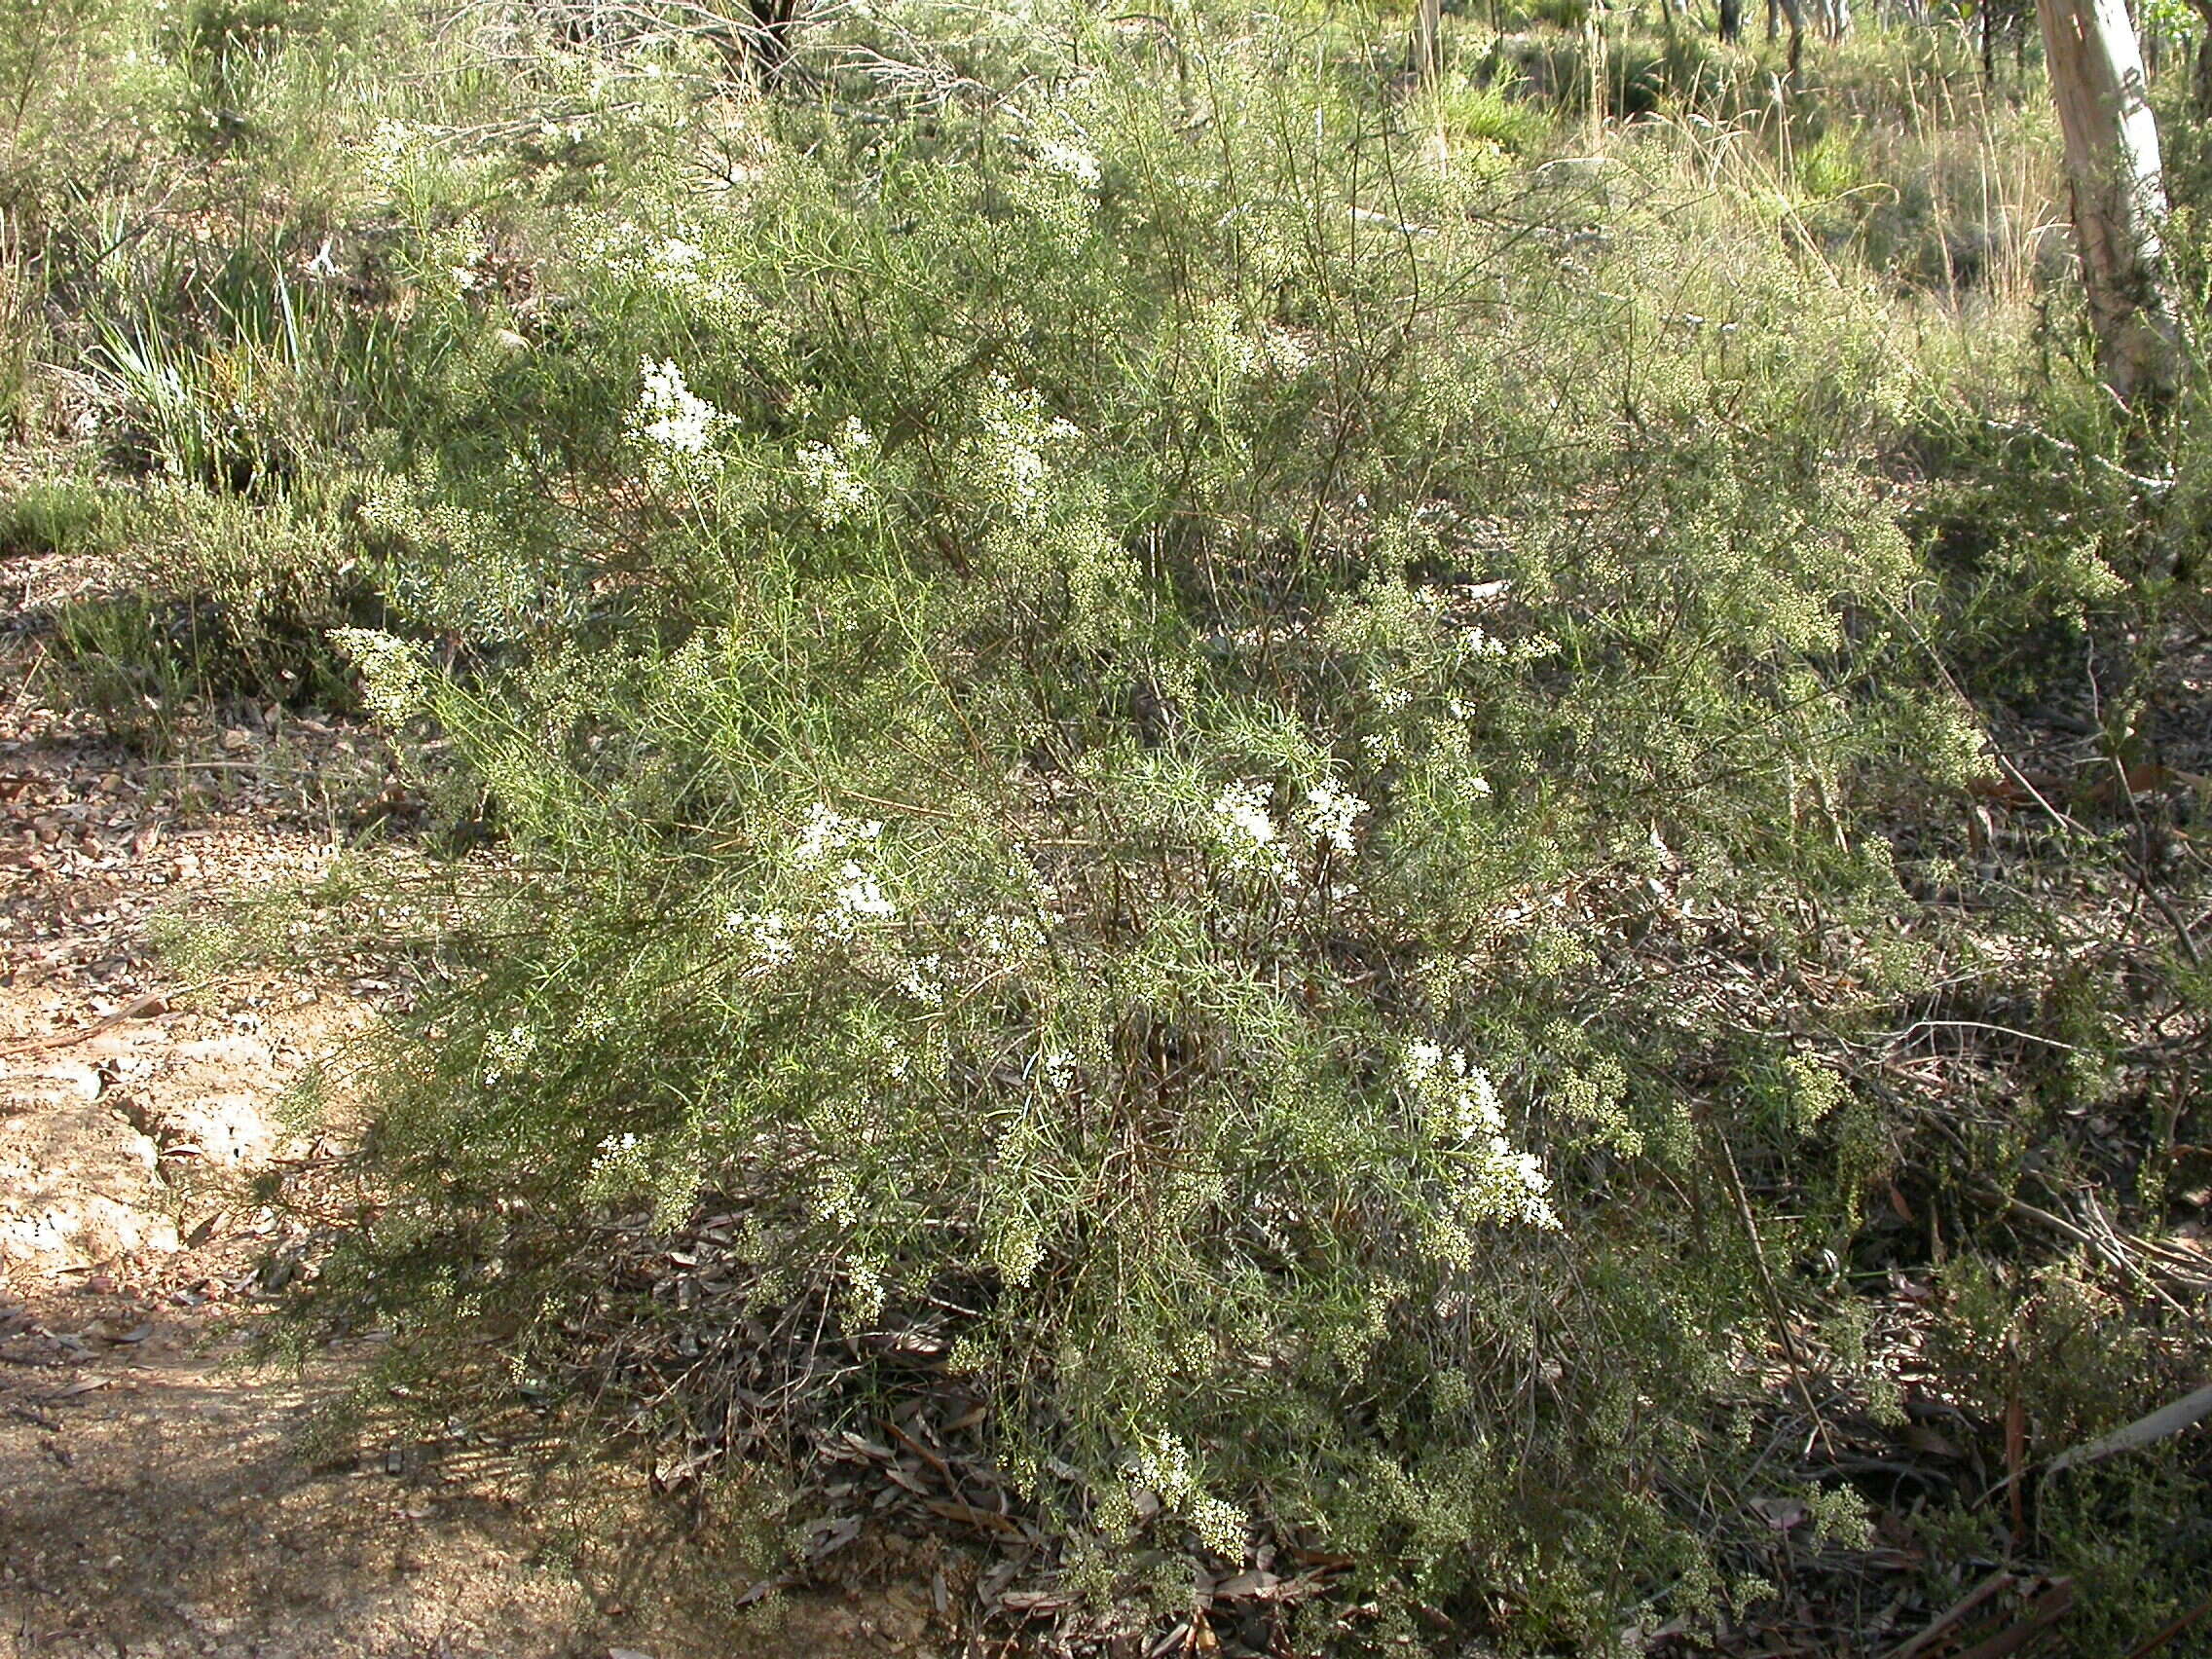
x: 1428, y: 40
x: 2200, y: 83
x: 1794, y: 12
x: 2120, y: 197
x: 1594, y: 52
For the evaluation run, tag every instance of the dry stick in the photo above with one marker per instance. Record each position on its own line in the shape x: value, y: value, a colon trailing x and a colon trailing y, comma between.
x: 2159, y: 1638
x: 2109, y: 1249
x: 2117, y: 1246
x: 2141, y: 865
x: 1995, y: 1584
x: 1766, y: 1284
x: 146, y: 1006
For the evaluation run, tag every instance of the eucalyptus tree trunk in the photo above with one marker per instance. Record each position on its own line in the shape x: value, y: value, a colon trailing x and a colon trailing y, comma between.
x: 2119, y: 197
x: 1794, y: 12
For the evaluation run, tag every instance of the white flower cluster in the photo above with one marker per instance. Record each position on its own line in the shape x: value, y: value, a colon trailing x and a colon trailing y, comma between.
x: 621, y: 1165
x: 1464, y: 1112
x: 847, y: 895
x: 858, y: 898
x: 669, y: 415
x: 766, y: 934
x: 506, y: 1052
x: 1242, y: 826
x: 1005, y: 940
x: 676, y: 263
x: 827, y: 832
x: 1165, y: 1467
x: 1476, y: 640
x: 1332, y: 816
x: 1245, y: 349
x: 836, y: 471
x: 1078, y: 165
x: 1246, y: 831
x: 923, y: 979
x: 390, y: 149
x: 1018, y: 1246
x: 856, y: 895
x: 1010, y: 461
x: 1286, y: 352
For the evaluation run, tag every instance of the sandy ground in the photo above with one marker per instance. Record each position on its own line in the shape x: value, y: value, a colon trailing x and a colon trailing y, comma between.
x: 158, y: 1495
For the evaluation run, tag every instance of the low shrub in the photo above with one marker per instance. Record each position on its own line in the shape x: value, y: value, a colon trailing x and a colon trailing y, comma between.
x: 1104, y: 743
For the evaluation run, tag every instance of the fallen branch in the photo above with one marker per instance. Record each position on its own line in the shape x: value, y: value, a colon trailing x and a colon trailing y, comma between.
x: 147, y: 1006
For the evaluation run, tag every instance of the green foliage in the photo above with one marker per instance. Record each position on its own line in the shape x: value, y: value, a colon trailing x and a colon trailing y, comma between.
x: 1468, y: 112
x: 1219, y: 730
x: 225, y: 598
x: 58, y: 515
x: 1088, y: 721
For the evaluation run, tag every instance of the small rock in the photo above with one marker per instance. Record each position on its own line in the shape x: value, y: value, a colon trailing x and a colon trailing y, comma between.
x: 82, y: 1078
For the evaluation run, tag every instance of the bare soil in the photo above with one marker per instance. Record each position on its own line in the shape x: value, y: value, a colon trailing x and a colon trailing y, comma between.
x: 159, y: 1493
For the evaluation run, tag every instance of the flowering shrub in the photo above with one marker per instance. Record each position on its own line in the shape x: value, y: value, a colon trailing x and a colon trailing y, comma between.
x: 1091, y: 728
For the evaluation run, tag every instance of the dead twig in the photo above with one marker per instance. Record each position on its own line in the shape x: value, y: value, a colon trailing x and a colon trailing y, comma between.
x: 2166, y: 1633
x: 148, y: 1007
x: 1773, y: 1295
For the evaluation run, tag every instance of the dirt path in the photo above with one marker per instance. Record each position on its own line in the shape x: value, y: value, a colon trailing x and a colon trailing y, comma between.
x: 157, y: 1495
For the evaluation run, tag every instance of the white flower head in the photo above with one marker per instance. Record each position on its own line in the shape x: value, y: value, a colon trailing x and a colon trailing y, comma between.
x: 924, y: 981
x: 764, y: 932
x: 1460, y: 1108
x: 827, y: 831
x: 1476, y: 640
x: 859, y: 897
x: 1245, y: 830
x: 507, y: 1052
x: 835, y: 472
x: 669, y: 415
x: 395, y: 675
x: 1007, y: 939
x: 390, y: 150
x: 1289, y: 354
x: 1078, y: 165
x: 1423, y: 1060
x: 1332, y: 816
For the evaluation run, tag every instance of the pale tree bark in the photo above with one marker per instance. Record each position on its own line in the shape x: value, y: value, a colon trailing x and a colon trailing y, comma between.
x: 2120, y: 196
